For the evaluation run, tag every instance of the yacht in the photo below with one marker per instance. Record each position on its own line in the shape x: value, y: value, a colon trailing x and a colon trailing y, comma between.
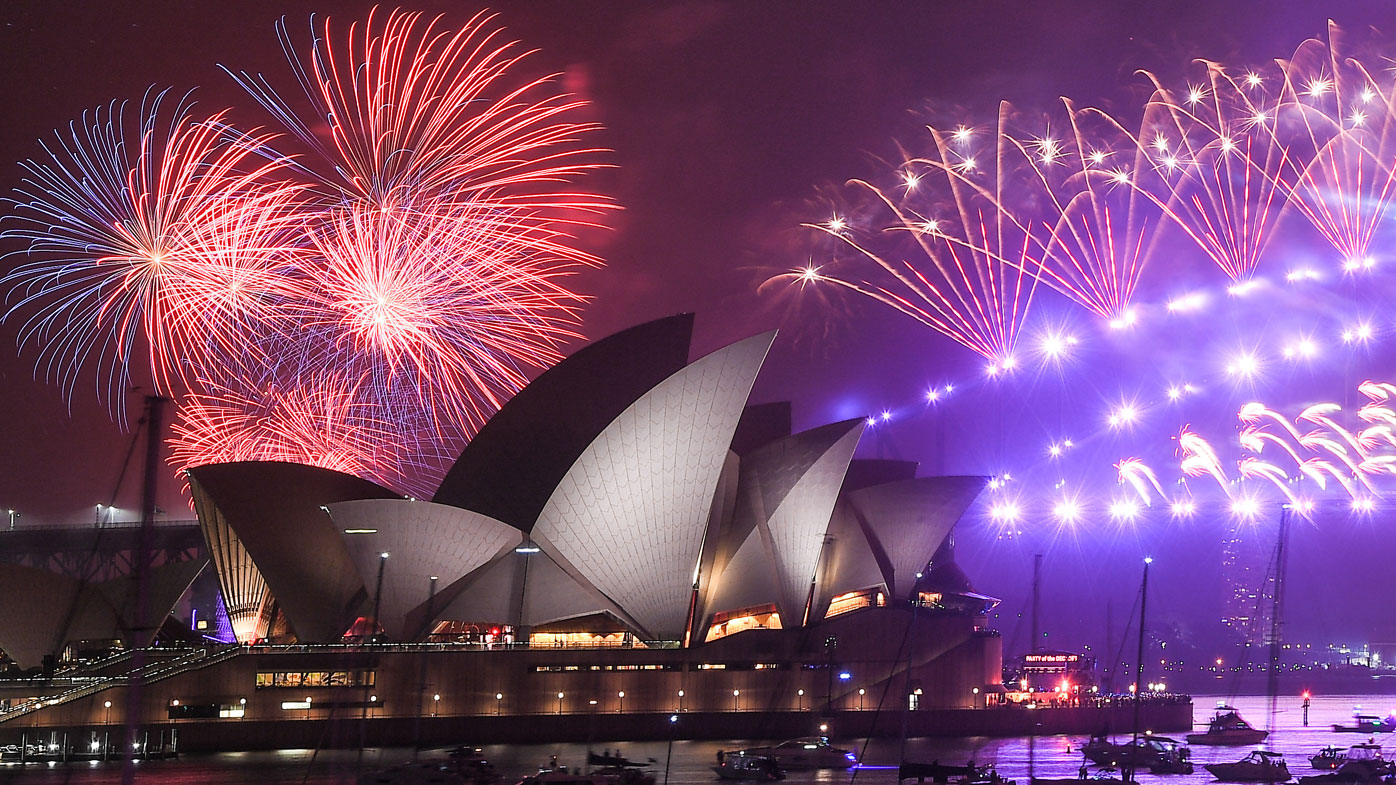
x: 1367, y: 723
x: 740, y: 766
x: 420, y: 773
x: 1259, y: 766
x: 1329, y: 758
x: 810, y: 753
x: 1145, y: 752
x: 1361, y: 763
x: 1228, y: 728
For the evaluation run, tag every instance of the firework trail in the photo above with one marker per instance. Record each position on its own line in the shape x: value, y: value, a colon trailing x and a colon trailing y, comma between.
x: 147, y: 227
x: 1344, y: 182
x: 959, y: 260
x: 363, y: 306
x: 1197, y: 457
x: 452, y: 307
x: 1140, y: 477
x: 331, y: 420
x: 415, y: 109
x: 1249, y: 467
x: 1216, y: 164
x: 315, y: 422
x: 1101, y: 230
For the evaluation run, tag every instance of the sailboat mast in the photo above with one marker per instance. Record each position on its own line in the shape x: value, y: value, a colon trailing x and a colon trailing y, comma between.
x: 1036, y: 603
x: 1272, y: 675
x: 1139, y: 660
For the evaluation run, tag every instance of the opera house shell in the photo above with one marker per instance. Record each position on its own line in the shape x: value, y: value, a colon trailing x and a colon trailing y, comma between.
x: 626, y: 487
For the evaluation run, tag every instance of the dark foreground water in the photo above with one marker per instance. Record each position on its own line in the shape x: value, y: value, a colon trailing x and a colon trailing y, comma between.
x: 690, y: 760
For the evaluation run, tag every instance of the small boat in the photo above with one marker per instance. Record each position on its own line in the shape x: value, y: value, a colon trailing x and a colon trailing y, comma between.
x: 1329, y: 758
x: 470, y: 763
x: 1362, y: 765
x: 1105, y: 775
x: 419, y: 773
x: 1144, y: 752
x: 1259, y: 766
x: 956, y: 775
x: 809, y: 753
x: 610, y: 775
x: 1228, y: 728
x: 934, y: 771
x: 739, y: 766
x: 1367, y: 723
x: 1365, y: 762
x: 615, y: 761
x: 1175, y: 761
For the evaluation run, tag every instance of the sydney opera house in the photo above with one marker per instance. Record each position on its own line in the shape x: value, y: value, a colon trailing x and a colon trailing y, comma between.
x: 626, y: 534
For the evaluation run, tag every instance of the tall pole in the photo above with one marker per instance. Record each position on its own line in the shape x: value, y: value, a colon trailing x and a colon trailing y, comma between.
x: 1139, y: 667
x: 372, y: 633
x: 378, y: 594
x: 1272, y: 675
x: 1036, y: 602
x: 140, y: 572
x: 422, y: 673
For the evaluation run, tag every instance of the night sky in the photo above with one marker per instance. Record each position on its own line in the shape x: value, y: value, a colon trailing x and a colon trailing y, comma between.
x: 733, y: 122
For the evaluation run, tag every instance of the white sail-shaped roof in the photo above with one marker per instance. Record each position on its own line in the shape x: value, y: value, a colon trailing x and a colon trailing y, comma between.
x: 631, y: 513
x: 421, y: 539
x: 798, y: 525
x: 908, y: 520
x: 523, y: 590
x: 787, y: 493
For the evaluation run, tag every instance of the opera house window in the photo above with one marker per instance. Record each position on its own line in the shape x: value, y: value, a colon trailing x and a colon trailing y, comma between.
x: 303, y: 679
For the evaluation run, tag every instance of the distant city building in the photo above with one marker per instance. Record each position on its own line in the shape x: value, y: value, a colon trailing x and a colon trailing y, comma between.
x: 1248, y: 583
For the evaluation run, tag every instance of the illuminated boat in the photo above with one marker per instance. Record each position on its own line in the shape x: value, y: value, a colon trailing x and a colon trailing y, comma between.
x: 1367, y: 723
x: 809, y: 753
x: 1145, y: 752
x: 1360, y: 763
x: 1329, y: 758
x: 1259, y: 766
x: 740, y: 766
x: 1228, y: 728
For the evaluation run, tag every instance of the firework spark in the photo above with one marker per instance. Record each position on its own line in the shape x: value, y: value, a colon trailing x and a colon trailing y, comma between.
x: 414, y: 108
x: 363, y: 307
x: 147, y: 227
x: 961, y: 262
x: 453, y: 307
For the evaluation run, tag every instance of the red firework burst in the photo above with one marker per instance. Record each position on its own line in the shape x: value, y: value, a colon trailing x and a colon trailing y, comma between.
x: 176, y: 240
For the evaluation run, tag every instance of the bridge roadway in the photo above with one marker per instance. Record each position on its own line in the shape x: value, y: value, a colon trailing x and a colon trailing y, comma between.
x: 102, y: 553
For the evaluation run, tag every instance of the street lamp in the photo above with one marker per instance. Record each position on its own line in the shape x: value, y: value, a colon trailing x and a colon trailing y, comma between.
x: 736, y: 697
x: 621, y: 695
x: 559, y: 703
x: 435, y: 703
x: 377, y: 597
x: 307, y: 707
x: 861, y: 691
x: 800, y: 699
x: 106, y: 718
x: 680, y: 700
x: 498, y: 696
x: 242, y: 704
x: 669, y: 754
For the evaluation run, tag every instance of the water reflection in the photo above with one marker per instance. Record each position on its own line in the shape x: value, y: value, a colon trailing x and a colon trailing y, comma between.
x: 691, y: 761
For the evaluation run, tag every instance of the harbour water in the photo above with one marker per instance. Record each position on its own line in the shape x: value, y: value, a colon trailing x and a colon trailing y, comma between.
x: 689, y: 762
